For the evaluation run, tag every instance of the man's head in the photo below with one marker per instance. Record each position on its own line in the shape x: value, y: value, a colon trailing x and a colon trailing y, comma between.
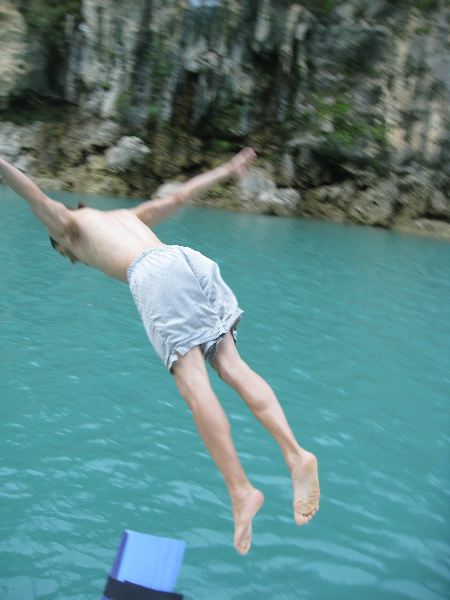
x: 64, y: 251
x: 60, y: 248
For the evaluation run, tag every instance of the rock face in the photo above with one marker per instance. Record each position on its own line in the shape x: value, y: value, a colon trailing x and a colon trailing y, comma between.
x: 129, y: 153
x: 346, y: 103
x: 13, y: 50
x: 259, y: 194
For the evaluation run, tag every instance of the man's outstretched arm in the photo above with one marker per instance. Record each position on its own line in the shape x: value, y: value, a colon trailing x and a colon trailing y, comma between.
x: 153, y: 212
x: 54, y: 215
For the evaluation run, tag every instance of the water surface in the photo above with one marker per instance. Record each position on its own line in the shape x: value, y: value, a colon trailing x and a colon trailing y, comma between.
x: 351, y: 328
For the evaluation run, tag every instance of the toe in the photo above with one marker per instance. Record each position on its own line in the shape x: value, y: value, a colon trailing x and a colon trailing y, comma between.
x: 243, y: 548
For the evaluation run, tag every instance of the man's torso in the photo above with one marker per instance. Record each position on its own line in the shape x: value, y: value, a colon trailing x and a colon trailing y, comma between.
x: 110, y: 240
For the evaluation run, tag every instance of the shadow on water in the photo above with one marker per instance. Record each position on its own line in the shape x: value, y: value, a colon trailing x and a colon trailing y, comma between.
x: 350, y: 326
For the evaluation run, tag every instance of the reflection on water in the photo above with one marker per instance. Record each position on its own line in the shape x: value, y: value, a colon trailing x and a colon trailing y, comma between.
x: 351, y: 328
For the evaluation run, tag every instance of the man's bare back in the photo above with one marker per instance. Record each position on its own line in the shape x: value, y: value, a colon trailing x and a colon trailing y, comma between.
x: 108, y: 240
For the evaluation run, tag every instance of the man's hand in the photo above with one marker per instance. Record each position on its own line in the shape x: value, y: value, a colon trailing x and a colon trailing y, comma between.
x: 153, y: 212
x: 238, y: 164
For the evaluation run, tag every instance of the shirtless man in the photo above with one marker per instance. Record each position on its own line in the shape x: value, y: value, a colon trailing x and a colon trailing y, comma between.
x: 198, y: 317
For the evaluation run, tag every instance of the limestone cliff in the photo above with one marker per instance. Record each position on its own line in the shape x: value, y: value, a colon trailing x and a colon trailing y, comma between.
x: 346, y: 103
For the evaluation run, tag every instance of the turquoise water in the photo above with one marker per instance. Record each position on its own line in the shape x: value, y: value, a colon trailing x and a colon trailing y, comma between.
x: 351, y: 328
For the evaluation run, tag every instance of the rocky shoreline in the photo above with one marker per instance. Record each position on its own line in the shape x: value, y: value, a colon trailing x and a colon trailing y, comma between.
x: 347, y: 104
x: 116, y: 165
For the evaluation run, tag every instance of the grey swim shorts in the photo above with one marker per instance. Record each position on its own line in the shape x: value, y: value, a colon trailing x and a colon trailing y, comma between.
x: 183, y: 301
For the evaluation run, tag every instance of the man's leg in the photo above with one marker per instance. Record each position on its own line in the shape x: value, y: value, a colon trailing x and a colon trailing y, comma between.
x: 193, y: 382
x: 261, y: 400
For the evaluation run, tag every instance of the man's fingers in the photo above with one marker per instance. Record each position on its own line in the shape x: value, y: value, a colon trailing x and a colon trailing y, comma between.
x: 239, y: 162
x: 247, y: 154
x: 242, y: 159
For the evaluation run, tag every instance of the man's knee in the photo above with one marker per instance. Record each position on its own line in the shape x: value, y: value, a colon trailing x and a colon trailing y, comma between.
x: 230, y: 368
x: 193, y: 387
x: 191, y: 378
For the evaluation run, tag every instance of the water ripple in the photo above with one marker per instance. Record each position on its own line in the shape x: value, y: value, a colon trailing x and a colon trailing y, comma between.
x: 350, y: 327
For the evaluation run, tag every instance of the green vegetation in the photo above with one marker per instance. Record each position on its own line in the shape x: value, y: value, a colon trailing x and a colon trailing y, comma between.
x: 319, y: 8
x: 339, y: 110
x: 227, y: 116
x: 218, y: 146
x: 48, y: 17
x: 350, y: 129
x: 323, y: 8
x: 355, y: 132
x: 124, y: 105
x: 29, y: 109
x: 47, y: 21
x: 423, y: 30
x: 426, y: 6
x: 153, y: 112
x: 159, y: 57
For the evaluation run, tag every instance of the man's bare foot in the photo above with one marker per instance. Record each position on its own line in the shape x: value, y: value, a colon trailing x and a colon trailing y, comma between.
x: 306, y: 488
x: 244, y: 510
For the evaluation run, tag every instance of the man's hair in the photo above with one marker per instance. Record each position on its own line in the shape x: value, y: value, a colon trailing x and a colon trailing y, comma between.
x: 80, y: 205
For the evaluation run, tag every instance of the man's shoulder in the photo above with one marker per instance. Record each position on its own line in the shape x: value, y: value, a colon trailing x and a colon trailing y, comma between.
x: 87, y: 212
